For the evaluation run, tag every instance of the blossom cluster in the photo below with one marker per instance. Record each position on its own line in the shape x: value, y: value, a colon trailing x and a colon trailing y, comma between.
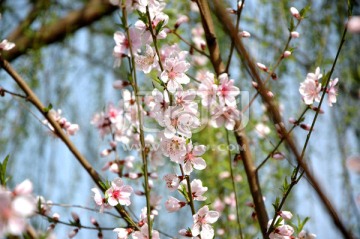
x: 285, y: 231
x: 66, y: 125
x: 311, y: 88
x: 117, y: 193
x: 15, y: 207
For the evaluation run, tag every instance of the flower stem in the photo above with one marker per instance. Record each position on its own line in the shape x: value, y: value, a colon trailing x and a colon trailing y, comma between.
x: 141, y: 131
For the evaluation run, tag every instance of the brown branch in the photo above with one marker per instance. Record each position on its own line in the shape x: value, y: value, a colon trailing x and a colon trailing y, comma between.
x: 210, y: 36
x: 29, y: 19
x: 55, y: 32
x: 252, y: 177
x: 33, y: 99
x: 240, y: 135
x: 275, y: 115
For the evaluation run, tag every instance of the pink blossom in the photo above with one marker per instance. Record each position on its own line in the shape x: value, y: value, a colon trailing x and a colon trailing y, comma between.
x: 120, y: 84
x: 181, y: 19
x: 306, y: 235
x: 69, y: 128
x: 230, y: 200
x: 310, y: 88
x: 118, y: 193
x: 174, y: 148
x: 197, y: 33
x: 144, y: 233
x: 122, y: 47
x: 332, y: 91
x: 225, y: 115
x: 353, y: 25
x: 15, y: 208
x: 207, y: 89
x: 186, y: 100
x: 173, y: 204
x: 99, y: 199
x: 227, y: 91
x: 123, y: 233
x: 148, y: 61
x: 262, y: 130
x: 283, y: 231
x: 218, y: 205
x: 174, y: 74
x: 172, y: 181
x: 192, y: 158
x: 198, y: 190
x: 24, y: 188
x: 202, y: 220
x: 177, y: 120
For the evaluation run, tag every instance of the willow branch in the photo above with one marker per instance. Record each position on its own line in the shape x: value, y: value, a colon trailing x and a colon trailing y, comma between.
x: 241, y: 138
x: 273, y: 109
x: 59, y: 30
x: 34, y: 100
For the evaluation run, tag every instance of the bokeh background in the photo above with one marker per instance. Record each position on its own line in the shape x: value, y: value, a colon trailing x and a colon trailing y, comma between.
x: 75, y: 72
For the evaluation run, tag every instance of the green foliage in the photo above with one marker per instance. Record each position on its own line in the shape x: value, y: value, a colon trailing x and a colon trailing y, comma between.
x: 3, y: 177
x: 48, y: 108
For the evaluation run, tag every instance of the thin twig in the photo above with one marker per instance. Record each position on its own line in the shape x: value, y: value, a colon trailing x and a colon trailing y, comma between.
x: 33, y: 99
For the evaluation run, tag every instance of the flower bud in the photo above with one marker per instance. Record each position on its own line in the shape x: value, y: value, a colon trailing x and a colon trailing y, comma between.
x: 262, y: 66
x: 255, y: 84
x: 244, y: 34
x: 295, y: 13
x: 230, y: 10
x: 305, y: 127
x: 182, y: 19
x: 295, y: 34
x: 270, y: 94
x: 286, y: 54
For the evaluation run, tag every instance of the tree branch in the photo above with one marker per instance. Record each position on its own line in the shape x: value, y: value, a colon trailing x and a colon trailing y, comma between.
x: 240, y: 135
x: 55, y: 32
x: 275, y: 114
x: 33, y: 99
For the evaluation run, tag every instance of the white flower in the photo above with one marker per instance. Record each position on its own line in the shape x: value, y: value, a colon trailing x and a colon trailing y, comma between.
x: 262, y: 130
x: 172, y: 181
x: 174, y: 148
x: 192, y: 158
x: 202, y: 220
x: 148, y: 61
x: 177, y: 120
x: 227, y: 91
x: 310, y: 88
x: 144, y: 233
x: 305, y: 235
x: 173, y: 204
x: 207, y: 89
x: 198, y: 190
x: 123, y: 233
x: 174, y: 73
x: 225, y: 115
x: 118, y: 193
x: 5, y: 45
x: 286, y: 215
